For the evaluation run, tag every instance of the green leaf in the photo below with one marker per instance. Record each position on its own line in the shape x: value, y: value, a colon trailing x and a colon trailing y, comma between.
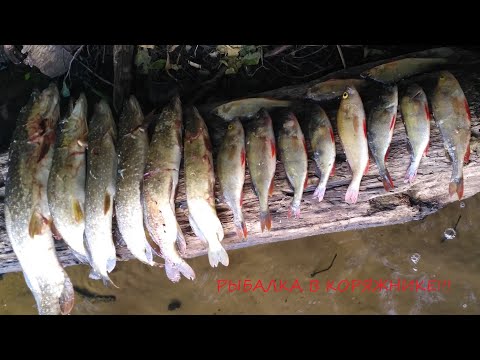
x: 230, y: 71
x: 65, y: 90
x: 27, y: 76
x: 143, y: 60
x: 251, y: 58
x: 247, y: 49
x: 158, y: 64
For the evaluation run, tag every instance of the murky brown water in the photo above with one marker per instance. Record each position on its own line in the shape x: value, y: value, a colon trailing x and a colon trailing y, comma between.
x: 379, y: 253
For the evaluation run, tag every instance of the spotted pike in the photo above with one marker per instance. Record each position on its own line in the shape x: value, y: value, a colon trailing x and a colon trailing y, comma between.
x: 452, y: 115
x: 322, y: 141
x: 160, y: 186
x: 262, y: 161
x: 247, y: 107
x: 100, y: 192
x: 200, y: 184
x: 66, y: 183
x: 27, y: 215
x: 352, y: 129
x: 416, y: 117
x: 132, y: 155
x: 293, y: 154
x: 380, y: 125
x: 231, y: 173
x: 332, y: 89
x: 400, y: 69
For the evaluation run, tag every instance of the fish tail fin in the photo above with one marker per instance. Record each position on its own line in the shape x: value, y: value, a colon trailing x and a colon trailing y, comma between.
x: 217, y: 254
x: 387, y: 180
x: 175, y: 271
x: 320, y: 192
x: 104, y: 277
x: 241, y: 227
x: 456, y: 186
x: 411, y: 173
x: 351, y: 196
x: 181, y: 242
x: 265, y: 220
x: 294, y: 211
x: 67, y: 297
x: 466, y: 158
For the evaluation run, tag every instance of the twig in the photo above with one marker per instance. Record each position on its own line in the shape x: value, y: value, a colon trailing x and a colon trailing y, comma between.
x: 71, y: 61
x: 328, y: 268
x: 455, y: 227
x: 277, y: 50
x: 96, y: 75
x: 341, y: 56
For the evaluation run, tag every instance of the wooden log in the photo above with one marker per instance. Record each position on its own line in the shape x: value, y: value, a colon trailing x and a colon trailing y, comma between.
x: 375, y: 207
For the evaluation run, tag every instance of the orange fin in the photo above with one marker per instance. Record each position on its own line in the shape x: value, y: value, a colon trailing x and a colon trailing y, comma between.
x: 367, y: 167
x: 106, y: 203
x: 332, y: 173
x: 270, y: 189
x: 56, y: 234
x: 241, y: 230
x: 467, y: 109
x: 392, y: 122
x: 265, y: 220
x: 35, y: 226
x: 77, y: 212
x: 456, y: 188
x: 332, y: 135
x: 306, y: 182
x: 365, y: 127
x: 427, y: 112
x: 242, y: 157
x: 387, y: 181
x: 272, y: 146
x: 387, y: 154
x: 425, y: 152
x: 466, y: 159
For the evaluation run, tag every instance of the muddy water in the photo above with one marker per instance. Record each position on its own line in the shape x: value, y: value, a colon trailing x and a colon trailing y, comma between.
x: 412, y: 251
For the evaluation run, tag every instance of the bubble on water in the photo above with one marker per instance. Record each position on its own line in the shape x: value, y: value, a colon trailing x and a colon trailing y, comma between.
x: 415, y: 258
x: 414, y: 269
x: 464, y: 306
x: 449, y: 234
x: 462, y: 205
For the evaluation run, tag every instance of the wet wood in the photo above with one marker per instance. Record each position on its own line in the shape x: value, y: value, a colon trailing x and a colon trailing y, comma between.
x: 375, y: 207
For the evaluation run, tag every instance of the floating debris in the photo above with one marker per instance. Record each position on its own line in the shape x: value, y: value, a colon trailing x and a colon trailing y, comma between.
x: 415, y: 258
x: 449, y: 234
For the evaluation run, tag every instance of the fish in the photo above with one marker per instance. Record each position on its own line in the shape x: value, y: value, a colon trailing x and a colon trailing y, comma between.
x: 231, y: 173
x: 416, y: 117
x: 100, y: 192
x: 352, y: 129
x: 66, y: 182
x: 332, y: 89
x: 293, y: 154
x: 200, y: 183
x: 452, y: 116
x: 160, y: 185
x: 27, y: 216
x: 261, y: 162
x: 380, y: 125
x: 400, y: 69
x: 322, y: 141
x: 132, y: 156
x: 247, y: 107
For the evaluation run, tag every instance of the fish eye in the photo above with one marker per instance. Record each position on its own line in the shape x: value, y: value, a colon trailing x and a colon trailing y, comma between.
x: 230, y: 126
x: 345, y: 95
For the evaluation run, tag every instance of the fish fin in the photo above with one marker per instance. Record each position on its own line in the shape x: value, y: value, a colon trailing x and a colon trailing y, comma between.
x: 196, y: 230
x: 175, y: 271
x: 77, y: 211
x: 265, y: 220
x: 387, y: 154
x: 456, y: 187
x: 387, y: 181
x: 305, y: 183
x: 56, y: 234
x: 83, y: 259
x: 242, y: 157
x: 351, y: 196
x: 367, y: 167
x: 392, y: 122
x: 273, y: 149
x: 217, y: 254
x: 106, y: 203
x: 466, y: 159
x: 270, y: 189
x: 181, y: 243
x: 67, y: 297
x: 365, y: 127
x: 332, y: 173
x: 35, y: 227
x: 319, y: 192
x: 467, y: 109
x: 241, y: 230
x: 294, y: 211
x: 332, y: 136
x: 425, y: 152
x: 411, y: 173
x: 241, y: 198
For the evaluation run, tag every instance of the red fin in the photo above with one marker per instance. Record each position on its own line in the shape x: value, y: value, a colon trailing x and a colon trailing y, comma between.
x: 241, y: 230
x: 367, y: 167
x: 427, y: 112
x: 272, y: 145
x: 387, y: 182
x: 270, y: 189
x: 386, y: 154
x: 332, y: 135
x: 332, y: 173
x: 466, y: 159
x: 242, y: 156
x: 265, y: 220
x: 392, y: 122
x: 306, y: 182
x: 241, y: 199
x: 467, y: 109
x: 456, y: 188
x: 365, y: 127
x: 425, y: 152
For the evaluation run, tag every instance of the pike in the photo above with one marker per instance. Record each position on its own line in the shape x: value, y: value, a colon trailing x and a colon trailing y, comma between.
x: 452, y: 115
x: 247, y: 107
x: 200, y: 184
x: 352, y: 129
x: 322, y: 141
x: 380, y: 125
x: 132, y: 154
x: 262, y: 161
x: 231, y: 173
x: 293, y: 154
x: 100, y: 192
x: 27, y: 215
x: 416, y: 117
x: 66, y: 182
x: 160, y: 186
